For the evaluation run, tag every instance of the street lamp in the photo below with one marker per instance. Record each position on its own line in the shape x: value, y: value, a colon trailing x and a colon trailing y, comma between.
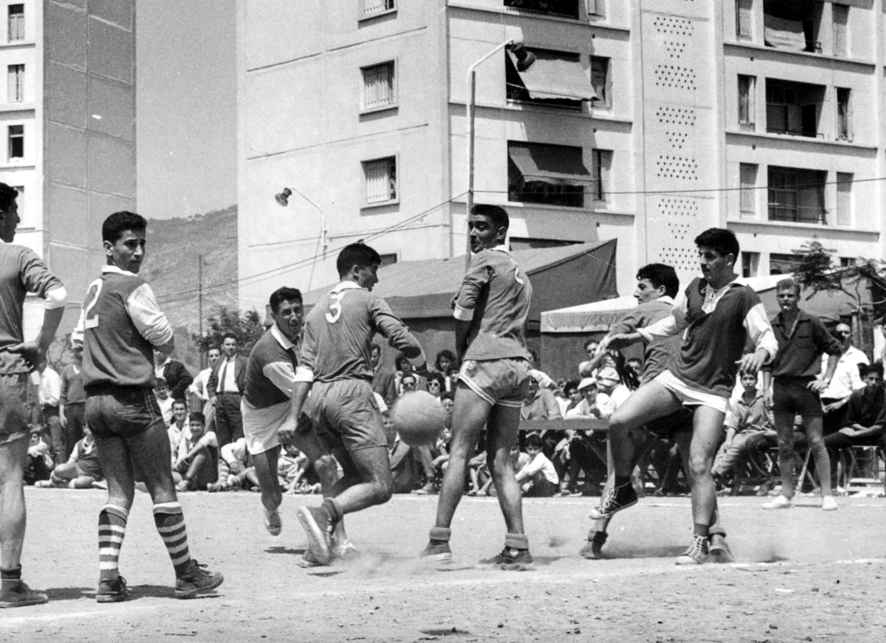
x: 525, y: 58
x: 282, y: 199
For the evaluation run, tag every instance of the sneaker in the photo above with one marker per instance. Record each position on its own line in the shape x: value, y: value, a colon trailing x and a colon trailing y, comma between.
x: 616, y: 499
x: 112, y: 591
x: 696, y: 554
x: 307, y: 561
x: 344, y: 549
x: 318, y: 526
x: 719, y: 550
x: 273, y: 522
x: 594, y: 546
x: 829, y: 503
x: 778, y: 502
x: 20, y: 595
x: 437, y: 550
x: 510, y: 559
x: 426, y: 490
x: 196, y: 581
x: 182, y: 486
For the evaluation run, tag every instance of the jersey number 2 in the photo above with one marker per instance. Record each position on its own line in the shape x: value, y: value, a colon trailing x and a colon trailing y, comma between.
x: 95, y: 289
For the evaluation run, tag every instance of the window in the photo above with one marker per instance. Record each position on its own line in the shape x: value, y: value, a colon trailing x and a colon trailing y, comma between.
x: 387, y: 259
x: 793, y: 108
x: 750, y: 264
x: 15, y: 92
x: 551, y: 174
x: 844, y: 114
x: 563, y: 8
x: 840, y: 14
x: 747, y: 206
x: 784, y: 264
x: 371, y: 8
x: 379, y: 91
x: 555, y: 78
x: 743, y: 16
x: 15, y: 23
x: 600, y: 81
x: 597, y: 8
x: 16, y: 143
x: 747, y: 96
x: 380, y: 179
x: 792, y: 24
x: 796, y: 195
x: 848, y: 262
x: 602, y: 166
x: 844, y: 198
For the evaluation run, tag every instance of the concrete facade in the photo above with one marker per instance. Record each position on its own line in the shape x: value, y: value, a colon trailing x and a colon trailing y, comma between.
x: 677, y: 143
x: 78, y: 115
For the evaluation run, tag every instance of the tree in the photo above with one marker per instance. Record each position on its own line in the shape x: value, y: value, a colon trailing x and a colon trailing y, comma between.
x: 247, y: 326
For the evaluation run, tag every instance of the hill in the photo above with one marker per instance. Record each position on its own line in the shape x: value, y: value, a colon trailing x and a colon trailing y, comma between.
x: 174, y: 248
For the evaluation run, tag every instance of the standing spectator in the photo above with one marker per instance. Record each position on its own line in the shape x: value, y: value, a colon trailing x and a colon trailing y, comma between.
x: 199, y: 388
x: 177, y: 377
x: 164, y: 401
x: 226, y: 384
x: 845, y: 380
x: 802, y: 340
x: 49, y: 393
x: 72, y: 401
x: 383, y: 381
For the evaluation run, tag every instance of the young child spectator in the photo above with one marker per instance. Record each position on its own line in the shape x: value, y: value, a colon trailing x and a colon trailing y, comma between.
x: 747, y: 420
x: 445, y: 364
x: 39, y: 458
x: 82, y: 469
x: 197, y: 462
x: 164, y: 400
x: 538, y: 477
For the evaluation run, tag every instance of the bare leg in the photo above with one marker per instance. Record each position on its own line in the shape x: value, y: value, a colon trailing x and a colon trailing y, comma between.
x: 502, y: 429
x: 814, y: 429
x: 784, y: 426
x: 649, y: 402
x: 13, y: 457
x: 266, y: 471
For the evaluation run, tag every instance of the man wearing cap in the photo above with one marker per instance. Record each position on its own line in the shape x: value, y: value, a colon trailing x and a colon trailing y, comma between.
x: 539, y: 403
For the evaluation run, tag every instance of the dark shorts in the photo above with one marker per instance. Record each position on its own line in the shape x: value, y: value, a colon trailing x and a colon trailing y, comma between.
x: 790, y: 395
x: 13, y: 395
x: 122, y: 411
x: 344, y: 414
x: 502, y: 382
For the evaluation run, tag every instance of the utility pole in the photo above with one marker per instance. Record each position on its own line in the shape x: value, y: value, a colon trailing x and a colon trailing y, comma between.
x: 200, y: 306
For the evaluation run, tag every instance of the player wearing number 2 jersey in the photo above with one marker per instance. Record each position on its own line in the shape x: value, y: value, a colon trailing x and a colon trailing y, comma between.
x: 490, y: 309
x: 120, y: 325
x: 334, y: 366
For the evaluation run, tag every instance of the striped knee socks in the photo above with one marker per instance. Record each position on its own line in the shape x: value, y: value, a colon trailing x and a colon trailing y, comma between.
x: 171, y: 524
x: 111, y: 529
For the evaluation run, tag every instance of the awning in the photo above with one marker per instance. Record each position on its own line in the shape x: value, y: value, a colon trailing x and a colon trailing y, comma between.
x: 555, y: 164
x: 549, y: 77
x: 783, y: 33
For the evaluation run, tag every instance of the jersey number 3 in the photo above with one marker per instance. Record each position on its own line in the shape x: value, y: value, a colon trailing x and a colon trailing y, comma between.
x: 334, y: 311
x: 95, y: 289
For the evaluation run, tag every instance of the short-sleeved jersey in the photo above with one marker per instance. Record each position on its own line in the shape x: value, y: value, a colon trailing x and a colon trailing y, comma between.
x: 114, y: 351
x: 21, y: 272
x: 270, y: 354
x: 495, y: 294
x: 338, y: 334
x: 658, y: 352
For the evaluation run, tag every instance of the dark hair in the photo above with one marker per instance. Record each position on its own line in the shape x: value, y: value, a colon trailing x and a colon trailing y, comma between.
x: 197, y: 416
x: 445, y: 353
x: 8, y: 195
x: 571, y: 385
x: 179, y: 400
x: 410, y: 375
x: 436, y: 377
x: 284, y: 294
x: 497, y: 214
x: 788, y: 283
x: 533, y: 441
x: 589, y: 342
x: 119, y: 222
x: 719, y: 239
x: 876, y: 367
x: 161, y: 381
x: 399, y: 360
x: 356, y: 254
x: 230, y: 334
x: 213, y: 347
x: 447, y: 395
x: 660, y: 274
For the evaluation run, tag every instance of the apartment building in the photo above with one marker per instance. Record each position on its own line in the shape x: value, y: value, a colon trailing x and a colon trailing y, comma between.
x: 67, y: 114
x: 641, y: 120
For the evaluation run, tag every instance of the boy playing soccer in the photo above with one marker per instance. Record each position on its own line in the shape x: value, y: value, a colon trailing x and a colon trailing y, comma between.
x: 490, y: 309
x: 335, y: 367
x: 120, y: 325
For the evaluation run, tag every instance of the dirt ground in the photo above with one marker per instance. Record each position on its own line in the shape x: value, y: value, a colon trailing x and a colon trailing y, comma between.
x: 801, y: 575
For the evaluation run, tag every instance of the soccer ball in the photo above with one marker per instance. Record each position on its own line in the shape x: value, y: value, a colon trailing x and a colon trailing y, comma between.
x: 418, y: 417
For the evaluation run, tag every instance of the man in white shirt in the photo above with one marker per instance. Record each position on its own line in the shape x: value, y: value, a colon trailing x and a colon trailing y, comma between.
x: 845, y: 380
x: 199, y: 390
x: 49, y: 392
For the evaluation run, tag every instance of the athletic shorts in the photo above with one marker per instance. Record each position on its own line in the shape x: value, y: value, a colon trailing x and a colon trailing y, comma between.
x: 344, y: 414
x: 499, y: 382
x: 13, y: 397
x: 122, y: 411
x: 790, y: 395
x: 688, y: 395
x: 261, y: 426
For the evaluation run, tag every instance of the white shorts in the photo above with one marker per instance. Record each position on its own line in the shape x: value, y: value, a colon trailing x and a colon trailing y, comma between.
x: 689, y: 396
x: 261, y: 426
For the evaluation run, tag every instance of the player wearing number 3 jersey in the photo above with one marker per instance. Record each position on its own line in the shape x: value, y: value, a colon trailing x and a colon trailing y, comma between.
x: 334, y: 366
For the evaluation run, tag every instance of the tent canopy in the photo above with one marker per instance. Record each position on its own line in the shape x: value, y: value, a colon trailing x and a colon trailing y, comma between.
x: 561, y: 275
